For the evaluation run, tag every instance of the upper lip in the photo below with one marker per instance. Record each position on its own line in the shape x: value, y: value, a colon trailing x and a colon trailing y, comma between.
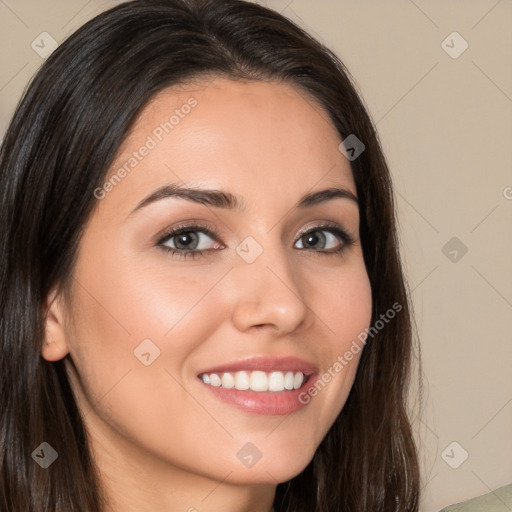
x: 266, y: 364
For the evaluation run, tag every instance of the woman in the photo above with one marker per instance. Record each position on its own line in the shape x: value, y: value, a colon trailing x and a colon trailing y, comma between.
x: 203, y: 306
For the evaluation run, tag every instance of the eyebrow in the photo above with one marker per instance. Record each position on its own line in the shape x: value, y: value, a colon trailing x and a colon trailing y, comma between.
x: 221, y: 199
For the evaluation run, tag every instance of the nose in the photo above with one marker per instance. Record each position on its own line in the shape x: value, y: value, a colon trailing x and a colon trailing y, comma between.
x: 268, y: 294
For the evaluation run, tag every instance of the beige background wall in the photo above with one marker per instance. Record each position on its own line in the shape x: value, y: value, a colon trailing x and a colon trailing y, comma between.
x: 446, y: 127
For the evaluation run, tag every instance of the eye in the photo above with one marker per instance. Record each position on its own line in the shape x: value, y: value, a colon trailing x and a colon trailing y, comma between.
x: 328, y: 238
x: 195, y: 240
x: 189, y: 241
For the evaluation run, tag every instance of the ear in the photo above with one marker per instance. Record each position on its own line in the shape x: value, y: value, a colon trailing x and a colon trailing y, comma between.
x: 55, y: 346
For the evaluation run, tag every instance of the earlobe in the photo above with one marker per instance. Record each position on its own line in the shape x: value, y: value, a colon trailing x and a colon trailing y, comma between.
x: 55, y: 345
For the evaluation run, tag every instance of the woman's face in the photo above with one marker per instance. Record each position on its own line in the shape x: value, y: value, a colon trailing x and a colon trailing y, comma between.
x: 278, y: 290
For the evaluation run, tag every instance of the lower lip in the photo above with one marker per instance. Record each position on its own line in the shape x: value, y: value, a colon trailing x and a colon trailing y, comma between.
x: 263, y: 402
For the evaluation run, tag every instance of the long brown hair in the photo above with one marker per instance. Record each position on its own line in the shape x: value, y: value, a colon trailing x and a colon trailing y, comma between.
x: 62, y: 139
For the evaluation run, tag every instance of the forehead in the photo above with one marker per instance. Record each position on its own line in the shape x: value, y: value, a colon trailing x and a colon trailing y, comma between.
x: 246, y: 136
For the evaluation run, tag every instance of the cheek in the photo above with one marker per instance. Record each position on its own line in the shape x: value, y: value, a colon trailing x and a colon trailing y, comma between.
x: 125, y: 301
x: 133, y: 331
x: 343, y: 306
x: 341, y: 299
x: 164, y: 316
x: 347, y: 304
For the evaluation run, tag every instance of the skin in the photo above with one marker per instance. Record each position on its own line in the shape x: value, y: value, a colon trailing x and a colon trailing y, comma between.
x: 161, y: 439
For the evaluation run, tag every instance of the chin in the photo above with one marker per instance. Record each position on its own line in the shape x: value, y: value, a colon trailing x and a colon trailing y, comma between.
x: 276, y: 470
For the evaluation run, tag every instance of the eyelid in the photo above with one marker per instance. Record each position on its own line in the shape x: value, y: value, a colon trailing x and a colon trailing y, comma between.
x: 329, y: 226
x: 187, y: 226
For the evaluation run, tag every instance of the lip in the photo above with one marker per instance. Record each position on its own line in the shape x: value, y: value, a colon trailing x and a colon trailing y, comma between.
x: 266, y: 364
x: 264, y: 402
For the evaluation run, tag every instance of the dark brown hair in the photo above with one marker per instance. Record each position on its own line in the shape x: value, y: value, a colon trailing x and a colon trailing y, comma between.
x: 57, y: 150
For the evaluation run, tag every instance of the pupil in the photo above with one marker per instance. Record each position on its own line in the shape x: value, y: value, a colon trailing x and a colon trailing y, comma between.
x: 312, y: 238
x: 186, y: 240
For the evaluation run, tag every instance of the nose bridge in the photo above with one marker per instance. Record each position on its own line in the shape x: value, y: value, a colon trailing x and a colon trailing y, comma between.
x: 267, y: 288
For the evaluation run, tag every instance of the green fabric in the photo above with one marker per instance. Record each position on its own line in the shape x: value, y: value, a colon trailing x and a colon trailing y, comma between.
x: 499, y: 500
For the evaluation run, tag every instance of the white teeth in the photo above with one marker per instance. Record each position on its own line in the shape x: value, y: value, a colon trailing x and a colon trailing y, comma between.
x: 227, y: 380
x: 276, y: 381
x: 297, y: 381
x: 256, y: 380
x: 242, y: 380
x: 288, y: 380
x: 215, y: 380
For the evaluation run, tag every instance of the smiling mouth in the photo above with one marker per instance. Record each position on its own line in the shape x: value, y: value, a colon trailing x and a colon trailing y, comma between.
x: 257, y: 380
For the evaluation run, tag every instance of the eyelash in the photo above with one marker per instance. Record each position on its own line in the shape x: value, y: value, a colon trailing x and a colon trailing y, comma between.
x: 331, y: 227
